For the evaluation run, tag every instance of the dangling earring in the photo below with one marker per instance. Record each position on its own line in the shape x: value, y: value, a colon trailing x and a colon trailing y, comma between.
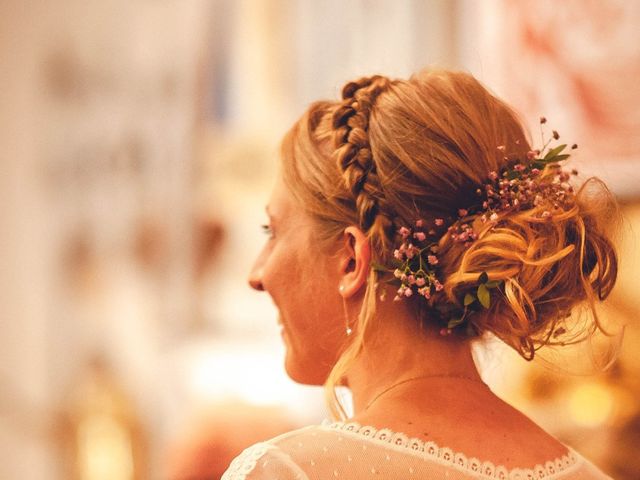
x: 346, y: 314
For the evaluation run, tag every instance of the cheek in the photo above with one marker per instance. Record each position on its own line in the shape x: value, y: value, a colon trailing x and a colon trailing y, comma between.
x: 277, y: 272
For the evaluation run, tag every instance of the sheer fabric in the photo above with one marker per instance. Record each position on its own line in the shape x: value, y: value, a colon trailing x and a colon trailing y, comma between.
x: 350, y: 451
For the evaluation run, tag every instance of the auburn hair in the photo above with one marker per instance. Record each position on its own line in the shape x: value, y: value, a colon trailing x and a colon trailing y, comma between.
x: 393, y: 151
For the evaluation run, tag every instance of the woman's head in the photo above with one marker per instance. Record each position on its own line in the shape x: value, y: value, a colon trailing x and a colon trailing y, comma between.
x: 393, y: 151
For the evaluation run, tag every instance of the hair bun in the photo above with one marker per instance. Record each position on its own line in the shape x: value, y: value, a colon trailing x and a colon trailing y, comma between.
x: 548, y: 268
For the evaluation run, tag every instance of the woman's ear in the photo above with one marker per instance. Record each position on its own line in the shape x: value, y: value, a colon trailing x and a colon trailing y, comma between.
x: 355, y: 261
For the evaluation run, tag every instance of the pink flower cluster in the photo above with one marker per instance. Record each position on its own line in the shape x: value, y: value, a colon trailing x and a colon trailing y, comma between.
x: 534, y: 182
x: 525, y: 186
x: 417, y: 259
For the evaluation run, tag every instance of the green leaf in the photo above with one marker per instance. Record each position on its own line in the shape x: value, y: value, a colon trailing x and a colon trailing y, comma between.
x: 559, y: 158
x: 538, y: 164
x: 483, y: 278
x: 484, y: 296
x: 454, y: 322
x: 493, y: 283
x: 554, y: 151
x: 469, y: 299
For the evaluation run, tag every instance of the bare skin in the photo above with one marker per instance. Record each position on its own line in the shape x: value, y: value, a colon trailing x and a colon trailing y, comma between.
x: 452, y: 408
x: 448, y: 404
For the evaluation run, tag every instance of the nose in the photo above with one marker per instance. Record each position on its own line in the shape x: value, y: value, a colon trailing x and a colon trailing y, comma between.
x: 255, y: 276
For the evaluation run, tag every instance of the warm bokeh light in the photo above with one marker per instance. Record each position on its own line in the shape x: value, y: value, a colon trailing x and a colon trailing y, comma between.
x: 590, y: 404
x: 218, y: 372
x: 104, y: 450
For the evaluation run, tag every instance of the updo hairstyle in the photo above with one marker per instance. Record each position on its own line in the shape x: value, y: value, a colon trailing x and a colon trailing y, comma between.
x: 393, y: 151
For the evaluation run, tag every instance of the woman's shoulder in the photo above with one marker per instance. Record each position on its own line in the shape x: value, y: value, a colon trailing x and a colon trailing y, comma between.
x: 272, y: 458
x: 319, y: 451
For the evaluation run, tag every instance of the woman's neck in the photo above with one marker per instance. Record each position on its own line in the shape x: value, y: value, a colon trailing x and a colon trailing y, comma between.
x: 403, y: 359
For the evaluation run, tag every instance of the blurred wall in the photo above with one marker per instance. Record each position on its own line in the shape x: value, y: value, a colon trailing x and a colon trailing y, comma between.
x: 138, y: 144
x: 99, y: 108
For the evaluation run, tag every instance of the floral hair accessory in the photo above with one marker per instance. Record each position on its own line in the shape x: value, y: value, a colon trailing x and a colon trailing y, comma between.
x: 534, y: 182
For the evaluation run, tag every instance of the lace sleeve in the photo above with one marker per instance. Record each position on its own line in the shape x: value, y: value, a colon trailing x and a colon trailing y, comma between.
x: 263, y: 461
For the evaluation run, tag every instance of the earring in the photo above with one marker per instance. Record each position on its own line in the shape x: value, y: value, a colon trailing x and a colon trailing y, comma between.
x: 346, y: 314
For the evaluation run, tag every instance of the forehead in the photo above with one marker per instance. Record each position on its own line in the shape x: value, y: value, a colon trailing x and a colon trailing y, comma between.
x: 282, y: 204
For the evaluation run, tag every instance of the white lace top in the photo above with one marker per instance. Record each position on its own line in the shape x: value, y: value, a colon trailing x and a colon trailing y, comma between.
x: 350, y: 451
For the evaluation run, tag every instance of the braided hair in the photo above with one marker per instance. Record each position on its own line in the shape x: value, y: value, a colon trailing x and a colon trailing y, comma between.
x: 393, y: 151
x: 353, y: 156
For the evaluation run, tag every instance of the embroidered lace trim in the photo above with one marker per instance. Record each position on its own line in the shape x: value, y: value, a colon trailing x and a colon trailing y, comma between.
x: 446, y: 456
x: 243, y: 464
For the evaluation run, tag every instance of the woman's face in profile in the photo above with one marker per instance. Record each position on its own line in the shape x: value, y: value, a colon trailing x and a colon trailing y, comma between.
x: 303, y: 280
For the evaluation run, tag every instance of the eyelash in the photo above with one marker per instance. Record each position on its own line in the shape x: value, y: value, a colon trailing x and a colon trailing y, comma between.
x: 267, y: 230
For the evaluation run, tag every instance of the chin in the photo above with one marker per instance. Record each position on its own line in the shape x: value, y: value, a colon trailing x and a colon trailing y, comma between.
x: 306, y: 373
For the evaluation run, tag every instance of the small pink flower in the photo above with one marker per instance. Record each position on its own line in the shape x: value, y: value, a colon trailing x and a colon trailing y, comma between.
x: 404, y: 232
x: 432, y: 259
x: 445, y: 331
x: 535, y: 171
x: 493, y: 217
x: 397, y: 273
x: 397, y: 254
x: 463, y: 212
x: 518, y: 167
x: 439, y: 222
x: 408, y: 292
x: 493, y: 175
x: 419, y: 223
x: 419, y: 236
x: 438, y: 285
x: 411, y: 279
x: 420, y: 282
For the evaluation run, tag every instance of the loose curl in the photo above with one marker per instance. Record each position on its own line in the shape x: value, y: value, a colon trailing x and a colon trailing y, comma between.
x: 393, y: 151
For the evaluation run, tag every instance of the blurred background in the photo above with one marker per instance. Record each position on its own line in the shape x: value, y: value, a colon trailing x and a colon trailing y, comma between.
x: 138, y: 145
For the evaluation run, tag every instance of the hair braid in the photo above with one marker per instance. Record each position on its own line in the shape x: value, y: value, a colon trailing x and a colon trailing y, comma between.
x: 354, y: 158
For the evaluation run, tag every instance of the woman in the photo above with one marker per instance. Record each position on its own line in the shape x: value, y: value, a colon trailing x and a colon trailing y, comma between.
x: 409, y: 219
